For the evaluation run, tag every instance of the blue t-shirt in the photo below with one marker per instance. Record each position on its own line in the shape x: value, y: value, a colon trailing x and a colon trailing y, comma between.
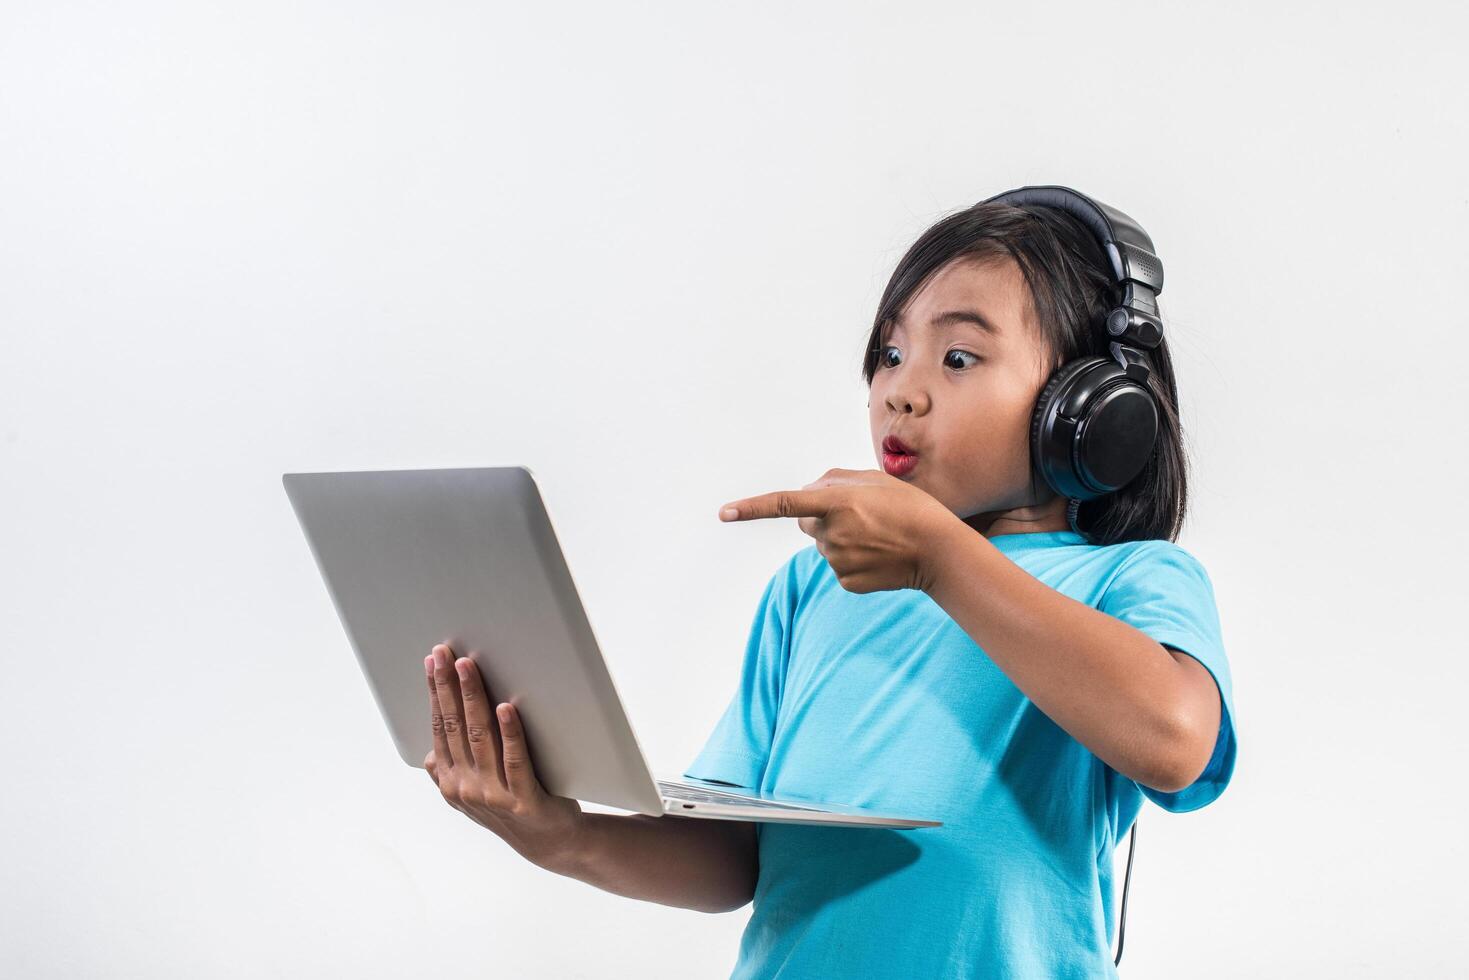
x: 880, y: 699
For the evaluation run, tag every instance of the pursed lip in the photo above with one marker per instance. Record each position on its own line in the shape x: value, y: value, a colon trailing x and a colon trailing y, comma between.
x: 892, y: 444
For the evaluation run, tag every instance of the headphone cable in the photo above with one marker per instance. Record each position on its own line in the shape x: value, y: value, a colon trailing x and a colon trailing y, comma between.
x: 1073, y: 507
x: 1122, y: 923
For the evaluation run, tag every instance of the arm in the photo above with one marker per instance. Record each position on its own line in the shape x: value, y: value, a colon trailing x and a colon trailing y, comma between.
x: 688, y: 862
x: 1146, y: 711
x: 1149, y: 712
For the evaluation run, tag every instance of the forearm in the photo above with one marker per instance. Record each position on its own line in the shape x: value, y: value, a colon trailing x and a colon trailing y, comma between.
x: 705, y: 865
x: 1110, y: 686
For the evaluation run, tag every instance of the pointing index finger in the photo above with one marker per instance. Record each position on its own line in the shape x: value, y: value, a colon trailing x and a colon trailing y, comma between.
x: 778, y: 503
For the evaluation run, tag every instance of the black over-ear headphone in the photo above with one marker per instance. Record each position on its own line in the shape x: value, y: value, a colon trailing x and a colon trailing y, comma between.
x: 1096, y: 421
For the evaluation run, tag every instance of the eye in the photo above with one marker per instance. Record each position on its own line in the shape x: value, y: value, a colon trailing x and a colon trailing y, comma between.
x: 884, y: 361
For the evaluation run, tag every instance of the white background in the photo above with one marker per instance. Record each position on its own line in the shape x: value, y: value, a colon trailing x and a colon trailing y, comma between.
x: 638, y: 248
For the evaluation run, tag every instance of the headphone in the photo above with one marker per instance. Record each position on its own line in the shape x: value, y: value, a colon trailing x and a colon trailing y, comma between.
x: 1095, y: 423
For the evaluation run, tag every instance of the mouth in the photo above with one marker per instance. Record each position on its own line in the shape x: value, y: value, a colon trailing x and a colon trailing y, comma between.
x: 898, y: 459
x: 896, y: 446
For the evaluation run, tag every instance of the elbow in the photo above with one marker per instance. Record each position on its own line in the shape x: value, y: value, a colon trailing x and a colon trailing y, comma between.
x: 1186, y: 730
x: 1172, y: 780
x: 736, y: 897
x: 1186, y: 749
x: 734, y: 904
x: 741, y: 875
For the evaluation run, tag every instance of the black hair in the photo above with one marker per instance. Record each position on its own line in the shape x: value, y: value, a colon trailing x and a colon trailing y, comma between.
x: 1071, y: 293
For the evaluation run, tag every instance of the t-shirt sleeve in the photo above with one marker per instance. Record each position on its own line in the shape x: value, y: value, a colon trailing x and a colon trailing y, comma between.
x: 1165, y: 592
x: 739, y: 747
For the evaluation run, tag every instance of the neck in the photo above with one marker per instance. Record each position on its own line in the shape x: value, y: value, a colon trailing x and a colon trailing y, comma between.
x: 1048, y: 516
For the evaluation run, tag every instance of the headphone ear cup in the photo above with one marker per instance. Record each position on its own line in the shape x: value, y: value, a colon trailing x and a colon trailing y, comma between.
x: 1045, y: 454
x: 1116, y: 435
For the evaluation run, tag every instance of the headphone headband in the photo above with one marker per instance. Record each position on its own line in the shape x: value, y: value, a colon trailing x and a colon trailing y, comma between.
x: 1136, y: 269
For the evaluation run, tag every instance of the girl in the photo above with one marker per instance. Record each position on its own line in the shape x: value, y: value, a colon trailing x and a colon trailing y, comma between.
x: 961, y: 642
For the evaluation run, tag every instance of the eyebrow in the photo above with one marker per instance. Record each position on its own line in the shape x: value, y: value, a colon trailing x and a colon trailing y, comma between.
x: 953, y: 317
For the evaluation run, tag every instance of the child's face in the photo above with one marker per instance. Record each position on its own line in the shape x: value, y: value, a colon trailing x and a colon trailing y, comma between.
x: 960, y: 396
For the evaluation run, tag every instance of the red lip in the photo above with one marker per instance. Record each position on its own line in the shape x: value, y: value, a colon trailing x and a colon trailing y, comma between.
x: 898, y: 464
x: 892, y: 444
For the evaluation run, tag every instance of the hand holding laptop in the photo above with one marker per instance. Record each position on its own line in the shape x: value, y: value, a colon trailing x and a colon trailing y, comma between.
x: 482, y: 766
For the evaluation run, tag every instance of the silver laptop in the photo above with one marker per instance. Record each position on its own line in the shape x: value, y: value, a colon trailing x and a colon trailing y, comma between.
x: 468, y: 557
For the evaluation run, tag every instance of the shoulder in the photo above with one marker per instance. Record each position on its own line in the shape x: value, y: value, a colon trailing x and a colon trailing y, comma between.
x: 795, y: 576
x: 1153, y: 570
x: 807, y: 562
x: 806, y: 571
x: 1152, y: 555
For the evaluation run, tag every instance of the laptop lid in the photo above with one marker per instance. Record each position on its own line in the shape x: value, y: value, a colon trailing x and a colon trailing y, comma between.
x: 468, y: 557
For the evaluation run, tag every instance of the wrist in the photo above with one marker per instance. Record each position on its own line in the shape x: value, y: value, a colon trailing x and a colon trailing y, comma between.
x: 943, y: 541
x: 571, y: 851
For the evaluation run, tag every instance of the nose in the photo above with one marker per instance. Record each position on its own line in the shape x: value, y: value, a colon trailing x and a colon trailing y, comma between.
x: 909, y: 401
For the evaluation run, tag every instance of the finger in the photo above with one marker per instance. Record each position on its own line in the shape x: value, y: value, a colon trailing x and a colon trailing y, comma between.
x: 480, y: 729
x: 494, y: 726
x: 779, y: 503
x: 520, y: 778
x: 436, y: 718
x: 446, y: 681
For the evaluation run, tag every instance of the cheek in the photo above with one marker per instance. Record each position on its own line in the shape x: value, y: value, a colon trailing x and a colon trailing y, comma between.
x: 995, y: 437
x: 1015, y: 403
